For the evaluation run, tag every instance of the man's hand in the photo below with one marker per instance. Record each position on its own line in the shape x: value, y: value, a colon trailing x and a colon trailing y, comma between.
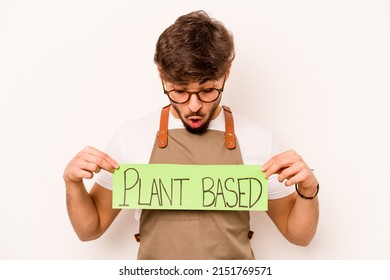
x: 87, y: 162
x: 90, y: 213
x: 293, y: 170
x: 295, y: 217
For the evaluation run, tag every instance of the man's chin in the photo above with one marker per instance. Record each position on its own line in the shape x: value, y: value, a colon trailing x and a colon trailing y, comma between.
x: 197, y: 130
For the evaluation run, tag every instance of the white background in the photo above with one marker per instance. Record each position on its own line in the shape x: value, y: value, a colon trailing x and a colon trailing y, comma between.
x: 315, y: 72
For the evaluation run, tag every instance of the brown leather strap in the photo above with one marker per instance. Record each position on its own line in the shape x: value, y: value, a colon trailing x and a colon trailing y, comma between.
x: 229, y: 129
x: 163, y: 132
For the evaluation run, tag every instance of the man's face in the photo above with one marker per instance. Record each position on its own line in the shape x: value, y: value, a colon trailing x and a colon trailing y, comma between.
x: 195, y: 114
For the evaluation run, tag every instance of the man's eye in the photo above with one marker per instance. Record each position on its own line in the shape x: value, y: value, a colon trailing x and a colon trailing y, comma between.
x: 207, y: 90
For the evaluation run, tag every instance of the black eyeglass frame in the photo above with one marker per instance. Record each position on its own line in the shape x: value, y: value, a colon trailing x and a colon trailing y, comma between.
x: 190, y: 93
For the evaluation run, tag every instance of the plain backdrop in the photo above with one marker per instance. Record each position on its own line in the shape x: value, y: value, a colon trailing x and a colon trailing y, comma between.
x: 315, y: 72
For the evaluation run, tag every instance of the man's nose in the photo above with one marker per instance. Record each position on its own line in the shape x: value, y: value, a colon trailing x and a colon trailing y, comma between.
x: 194, y: 104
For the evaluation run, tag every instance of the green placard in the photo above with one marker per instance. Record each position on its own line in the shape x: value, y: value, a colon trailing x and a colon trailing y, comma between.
x: 190, y: 187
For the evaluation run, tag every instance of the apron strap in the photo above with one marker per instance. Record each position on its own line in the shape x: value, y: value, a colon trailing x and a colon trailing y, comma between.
x: 163, y: 132
x: 229, y: 128
x: 230, y: 138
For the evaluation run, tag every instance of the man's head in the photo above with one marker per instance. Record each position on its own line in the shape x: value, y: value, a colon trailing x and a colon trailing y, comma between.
x: 196, y: 48
x: 195, y: 53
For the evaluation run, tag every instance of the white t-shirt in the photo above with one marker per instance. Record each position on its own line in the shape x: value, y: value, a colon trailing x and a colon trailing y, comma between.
x: 133, y: 143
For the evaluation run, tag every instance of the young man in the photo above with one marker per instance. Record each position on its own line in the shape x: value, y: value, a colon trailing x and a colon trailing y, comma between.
x: 194, y: 57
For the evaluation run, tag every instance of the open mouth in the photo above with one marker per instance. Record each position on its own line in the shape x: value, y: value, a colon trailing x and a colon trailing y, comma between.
x: 195, y: 121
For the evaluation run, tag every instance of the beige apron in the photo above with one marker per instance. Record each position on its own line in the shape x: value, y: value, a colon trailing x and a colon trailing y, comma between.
x: 188, y: 234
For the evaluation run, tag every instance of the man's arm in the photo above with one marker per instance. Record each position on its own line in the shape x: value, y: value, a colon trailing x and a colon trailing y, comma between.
x: 90, y: 213
x: 295, y: 217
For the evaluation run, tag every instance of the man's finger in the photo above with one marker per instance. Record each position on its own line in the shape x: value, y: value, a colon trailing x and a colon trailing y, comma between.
x: 100, y: 162
x: 100, y: 154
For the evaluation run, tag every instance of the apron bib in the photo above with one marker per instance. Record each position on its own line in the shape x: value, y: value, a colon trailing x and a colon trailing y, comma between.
x: 195, y: 234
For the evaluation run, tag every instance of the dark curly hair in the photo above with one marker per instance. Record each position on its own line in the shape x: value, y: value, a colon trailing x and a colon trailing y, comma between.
x: 196, y: 48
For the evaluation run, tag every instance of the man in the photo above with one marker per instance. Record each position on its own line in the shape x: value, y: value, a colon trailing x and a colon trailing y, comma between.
x: 193, y: 57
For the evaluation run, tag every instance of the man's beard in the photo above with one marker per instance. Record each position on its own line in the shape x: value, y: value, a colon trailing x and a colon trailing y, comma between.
x: 199, y: 130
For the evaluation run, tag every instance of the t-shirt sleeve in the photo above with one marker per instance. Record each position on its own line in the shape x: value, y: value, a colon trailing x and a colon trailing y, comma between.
x: 257, y: 146
x: 132, y: 142
x: 277, y: 189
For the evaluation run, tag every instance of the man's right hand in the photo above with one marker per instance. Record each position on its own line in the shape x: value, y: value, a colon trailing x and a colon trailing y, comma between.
x: 87, y: 162
x: 91, y: 212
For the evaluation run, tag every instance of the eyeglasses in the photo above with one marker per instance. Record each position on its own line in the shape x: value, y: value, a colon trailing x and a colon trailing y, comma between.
x: 206, y: 95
